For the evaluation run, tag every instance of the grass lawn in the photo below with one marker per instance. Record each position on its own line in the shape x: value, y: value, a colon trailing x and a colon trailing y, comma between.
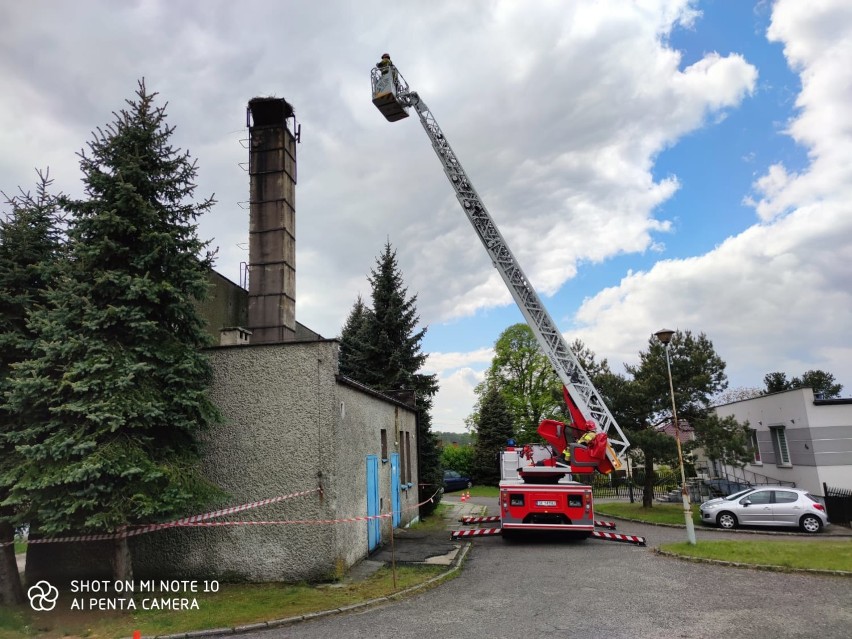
x: 658, y: 514
x: 233, y: 605
x: 816, y: 555
x: 485, y: 491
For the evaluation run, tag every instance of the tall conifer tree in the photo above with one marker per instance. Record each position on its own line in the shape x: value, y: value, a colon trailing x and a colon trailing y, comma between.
x: 352, y: 339
x: 110, y: 404
x: 494, y: 427
x: 381, y: 348
x: 29, y: 252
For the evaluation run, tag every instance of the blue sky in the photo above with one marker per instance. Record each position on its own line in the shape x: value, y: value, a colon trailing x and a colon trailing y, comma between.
x: 651, y: 163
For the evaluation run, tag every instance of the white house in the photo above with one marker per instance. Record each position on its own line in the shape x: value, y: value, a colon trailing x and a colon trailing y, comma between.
x: 799, y: 438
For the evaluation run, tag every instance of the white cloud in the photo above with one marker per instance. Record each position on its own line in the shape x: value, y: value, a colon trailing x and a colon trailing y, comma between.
x: 776, y: 296
x: 557, y: 110
x: 443, y: 362
x: 554, y: 108
x: 456, y: 399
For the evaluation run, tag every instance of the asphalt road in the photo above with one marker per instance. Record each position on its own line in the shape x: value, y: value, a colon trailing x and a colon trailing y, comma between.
x: 545, y: 588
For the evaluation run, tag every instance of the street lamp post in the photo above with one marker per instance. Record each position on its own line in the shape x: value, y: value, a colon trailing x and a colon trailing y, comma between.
x: 665, y: 336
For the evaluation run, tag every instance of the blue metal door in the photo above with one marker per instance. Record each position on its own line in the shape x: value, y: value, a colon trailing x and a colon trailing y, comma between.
x: 395, y: 488
x: 374, y: 531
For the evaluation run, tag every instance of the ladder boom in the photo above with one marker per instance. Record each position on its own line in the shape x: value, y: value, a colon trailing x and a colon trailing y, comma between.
x: 553, y: 344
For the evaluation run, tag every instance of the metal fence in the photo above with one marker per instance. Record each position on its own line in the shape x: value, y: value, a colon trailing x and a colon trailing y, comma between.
x: 620, y: 486
x: 838, y: 504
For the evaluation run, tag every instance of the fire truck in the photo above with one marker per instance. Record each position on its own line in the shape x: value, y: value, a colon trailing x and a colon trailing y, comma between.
x: 537, y: 488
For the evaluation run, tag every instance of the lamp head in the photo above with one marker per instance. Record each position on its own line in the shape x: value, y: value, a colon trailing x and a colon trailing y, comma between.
x: 664, y: 335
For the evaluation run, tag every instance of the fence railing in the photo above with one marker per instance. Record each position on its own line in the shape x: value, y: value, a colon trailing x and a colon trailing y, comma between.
x: 740, y: 477
x: 619, y: 486
x: 838, y: 504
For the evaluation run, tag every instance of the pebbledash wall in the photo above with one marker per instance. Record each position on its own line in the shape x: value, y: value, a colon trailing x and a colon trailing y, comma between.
x: 291, y: 424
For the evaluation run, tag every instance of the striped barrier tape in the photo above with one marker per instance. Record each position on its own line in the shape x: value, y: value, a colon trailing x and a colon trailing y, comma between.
x: 479, y: 520
x: 302, y: 522
x: 475, y: 532
x: 630, y: 539
x: 184, y: 521
x: 201, y: 521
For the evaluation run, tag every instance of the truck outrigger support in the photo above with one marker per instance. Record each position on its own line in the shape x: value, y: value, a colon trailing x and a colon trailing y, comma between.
x: 493, y: 532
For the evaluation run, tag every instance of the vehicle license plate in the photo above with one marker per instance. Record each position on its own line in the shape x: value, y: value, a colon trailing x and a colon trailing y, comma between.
x: 545, y: 502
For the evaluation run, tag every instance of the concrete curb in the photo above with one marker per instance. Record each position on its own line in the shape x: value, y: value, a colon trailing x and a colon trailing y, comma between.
x: 289, y: 621
x: 736, y: 564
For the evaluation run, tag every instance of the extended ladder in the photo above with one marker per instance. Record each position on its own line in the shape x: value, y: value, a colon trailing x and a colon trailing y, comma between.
x: 552, y: 343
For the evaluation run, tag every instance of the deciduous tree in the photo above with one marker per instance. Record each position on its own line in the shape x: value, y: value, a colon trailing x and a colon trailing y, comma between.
x: 526, y: 379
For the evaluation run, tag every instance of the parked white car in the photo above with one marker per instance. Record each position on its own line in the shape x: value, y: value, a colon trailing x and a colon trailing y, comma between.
x: 766, y: 506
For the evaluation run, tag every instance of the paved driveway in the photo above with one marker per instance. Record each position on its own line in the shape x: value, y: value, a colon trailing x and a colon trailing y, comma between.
x: 547, y: 589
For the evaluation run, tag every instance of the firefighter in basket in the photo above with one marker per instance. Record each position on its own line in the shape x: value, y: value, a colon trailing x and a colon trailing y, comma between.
x: 584, y: 440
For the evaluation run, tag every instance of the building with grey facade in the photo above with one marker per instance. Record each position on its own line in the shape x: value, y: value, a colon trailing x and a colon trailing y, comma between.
x: 798, y: 438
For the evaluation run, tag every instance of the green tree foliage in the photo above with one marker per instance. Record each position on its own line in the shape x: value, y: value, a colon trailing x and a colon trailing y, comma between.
x: 526, y: 379
x: 110, y: 404
x: 823, y: 383
x: 776, y: 382
x: 29, y: 252
x: 381, y: 348
x: 352, y: 340
x: 643, y: 401
x: 723, y: 439
x: 493, y: 428
x: 458, y: 458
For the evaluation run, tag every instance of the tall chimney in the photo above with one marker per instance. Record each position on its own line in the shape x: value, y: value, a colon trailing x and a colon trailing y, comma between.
x: 272, y: 224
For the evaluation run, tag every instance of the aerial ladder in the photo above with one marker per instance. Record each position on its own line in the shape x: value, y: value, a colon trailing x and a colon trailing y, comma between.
x: 538, y: 466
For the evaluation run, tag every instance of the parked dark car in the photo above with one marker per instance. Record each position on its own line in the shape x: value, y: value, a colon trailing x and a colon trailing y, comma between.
x: 455, y: 481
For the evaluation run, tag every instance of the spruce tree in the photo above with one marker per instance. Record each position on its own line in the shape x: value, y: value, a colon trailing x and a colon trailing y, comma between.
x: 352, y: 339
x: 494, y: 428
x: 110, y: 404
x: 29, y: 251
x: 381, y: 348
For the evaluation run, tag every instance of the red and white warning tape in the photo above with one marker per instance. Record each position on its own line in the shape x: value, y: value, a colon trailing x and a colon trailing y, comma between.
x: 202, y: 520
x: 476, y: 532
x: 479, y: 520
x: 302, y: 522
x: 630, y: 539
x: 184, y: 521
x: 605, y: 524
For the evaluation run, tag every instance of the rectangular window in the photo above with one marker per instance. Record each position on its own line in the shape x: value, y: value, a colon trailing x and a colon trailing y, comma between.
x: 384, y: 445
x: 755, y: 447
x: 779, y: 441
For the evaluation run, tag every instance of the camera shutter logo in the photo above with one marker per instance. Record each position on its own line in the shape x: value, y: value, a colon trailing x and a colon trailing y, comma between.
x: 43, y: 596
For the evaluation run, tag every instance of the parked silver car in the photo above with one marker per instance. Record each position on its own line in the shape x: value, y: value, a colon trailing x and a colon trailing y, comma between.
x: 766, y: 506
